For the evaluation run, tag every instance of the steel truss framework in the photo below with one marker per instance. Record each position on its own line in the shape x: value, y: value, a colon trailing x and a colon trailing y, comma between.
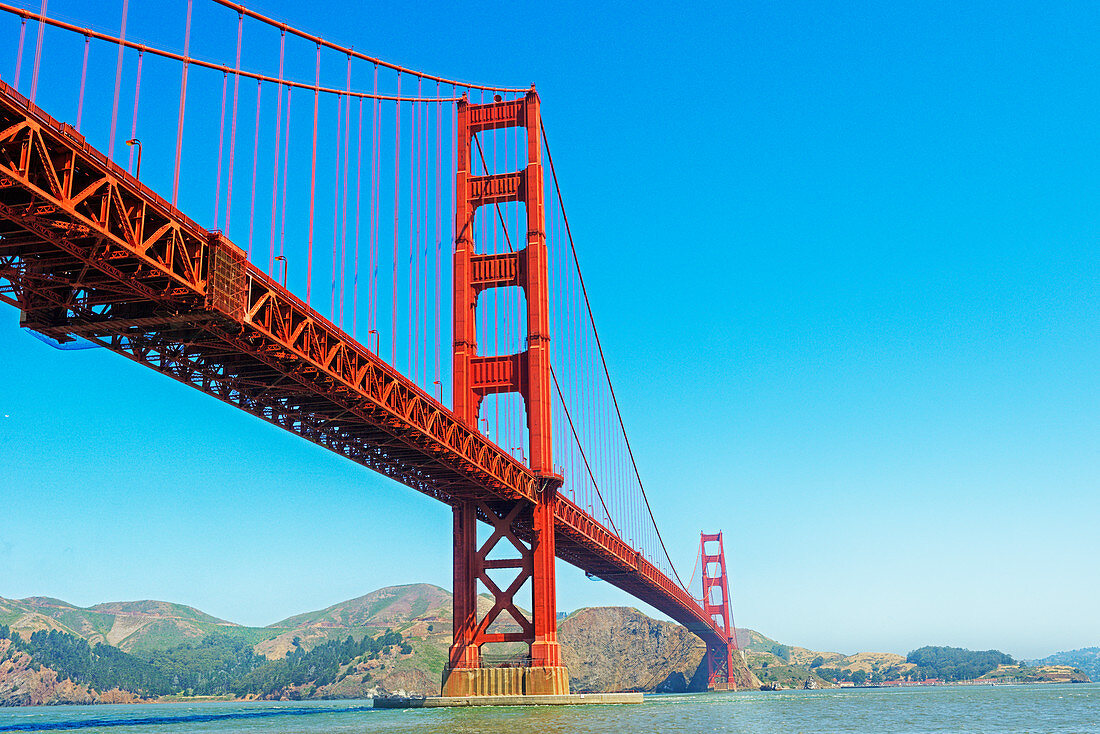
x: 87, y: 250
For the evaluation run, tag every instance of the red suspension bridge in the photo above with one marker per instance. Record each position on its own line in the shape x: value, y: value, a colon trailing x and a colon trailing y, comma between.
x: 335, y: 175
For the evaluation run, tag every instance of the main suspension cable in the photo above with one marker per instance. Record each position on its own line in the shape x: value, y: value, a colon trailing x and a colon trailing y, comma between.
x: 587, y: 466
x: 351, y: 52
x: 603, y: 360
x: 122, y: 42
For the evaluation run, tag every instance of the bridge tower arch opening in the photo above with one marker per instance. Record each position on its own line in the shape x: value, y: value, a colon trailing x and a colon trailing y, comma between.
x: 523, y: 527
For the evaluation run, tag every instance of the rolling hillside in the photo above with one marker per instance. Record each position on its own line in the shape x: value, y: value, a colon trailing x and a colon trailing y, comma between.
x: 605, y: 648
x: 1086, y: 658
x: 136, y: 626
x: 417, y: 611
x: 393, y: 606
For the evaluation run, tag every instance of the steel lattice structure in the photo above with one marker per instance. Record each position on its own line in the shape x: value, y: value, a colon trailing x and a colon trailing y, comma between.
x: 87, y: 250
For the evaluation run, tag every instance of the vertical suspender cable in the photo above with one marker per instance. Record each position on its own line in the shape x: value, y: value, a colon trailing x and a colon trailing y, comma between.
x: 517, y: 415
x: 221, y: 139
x: 275, y: 168
x: 372, y: 273
x: 411, y: 294
x: 511, y: 304
x: 587, y: 465
x: 255, y: 155
x: 438, y: 234
x: 286, y: 164
x: 358, y: 206
x: 580, y: 280
x: 313, y: 177
x: 453, y: 199
x: 396, y: 180
x: 38, y: 54
x: 183, y: 101
x: 504, y: 314
x: 118, y: 83
x: 344, y: 199
x: 233, y: 124
x: 336, y: 207
x: 496, y: 249
x: 83, y: 80
x: 415, y: 144
x: 133, y: 122
x: 421, y: 235
x: 19, y: 53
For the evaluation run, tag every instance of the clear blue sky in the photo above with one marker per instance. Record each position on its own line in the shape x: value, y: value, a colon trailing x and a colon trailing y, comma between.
x: 844, y: 261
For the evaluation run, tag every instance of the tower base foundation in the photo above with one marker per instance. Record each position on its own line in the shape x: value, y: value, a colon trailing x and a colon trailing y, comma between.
x: 574, y: 699
x: 477, y: 682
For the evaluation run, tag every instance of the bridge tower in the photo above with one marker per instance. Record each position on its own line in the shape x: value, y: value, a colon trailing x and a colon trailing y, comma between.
x: 526, y: 373
x: 720, y: 670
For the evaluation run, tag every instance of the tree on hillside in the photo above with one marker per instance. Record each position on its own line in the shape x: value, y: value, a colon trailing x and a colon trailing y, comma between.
x: 209, y: 667
x: 859, y: 677
x: 817, y: 662
x: 956, y: 663
x: 102, y: 667
x: 320, y: 666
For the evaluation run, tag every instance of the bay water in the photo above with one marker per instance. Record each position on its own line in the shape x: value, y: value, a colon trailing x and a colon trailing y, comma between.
x: 1053, y: 708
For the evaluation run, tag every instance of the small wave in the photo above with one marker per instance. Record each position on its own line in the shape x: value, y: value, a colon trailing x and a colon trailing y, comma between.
x: 190, y: 718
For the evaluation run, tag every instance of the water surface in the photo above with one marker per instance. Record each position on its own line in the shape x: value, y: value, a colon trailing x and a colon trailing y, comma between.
x: 983, y: 710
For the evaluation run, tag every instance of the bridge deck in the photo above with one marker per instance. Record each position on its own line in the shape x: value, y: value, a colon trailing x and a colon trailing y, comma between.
x: 87, y: 250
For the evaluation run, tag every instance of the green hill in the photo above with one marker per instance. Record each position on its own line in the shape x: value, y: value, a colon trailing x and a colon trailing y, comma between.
x: 161, y: 609
x: 607, y: 648
x: 133, y: 626
x: 1085, y: 658
x: 393, y: 606
x: 58, y: 667
x: 415, y: 610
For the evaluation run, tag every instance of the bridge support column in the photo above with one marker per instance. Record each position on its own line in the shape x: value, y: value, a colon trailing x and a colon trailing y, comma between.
x: 720, y: 670
x: 464, y: 653
x: 540, y: 671
x: 545, y: 649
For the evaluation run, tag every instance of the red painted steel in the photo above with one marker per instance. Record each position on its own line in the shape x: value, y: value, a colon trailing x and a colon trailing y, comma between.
x: 526, y: 373
x: 720, y: 671
x: 87, y: 250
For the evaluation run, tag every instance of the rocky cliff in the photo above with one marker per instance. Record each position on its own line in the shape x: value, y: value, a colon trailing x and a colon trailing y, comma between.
x: 25, y: 683
x: 621, y: 649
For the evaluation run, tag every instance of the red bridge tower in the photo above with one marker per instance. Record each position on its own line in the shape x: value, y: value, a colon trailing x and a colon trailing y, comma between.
x: 720, y: 670
x: 526, y: 373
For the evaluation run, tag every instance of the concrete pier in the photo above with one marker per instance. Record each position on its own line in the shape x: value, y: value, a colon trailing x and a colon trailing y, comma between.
x: 572, y: 699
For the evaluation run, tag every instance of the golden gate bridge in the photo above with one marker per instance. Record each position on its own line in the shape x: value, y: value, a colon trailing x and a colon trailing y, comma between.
x: 349, y: 180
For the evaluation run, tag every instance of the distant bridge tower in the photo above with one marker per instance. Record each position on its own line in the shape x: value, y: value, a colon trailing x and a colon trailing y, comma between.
x: 716, y: 605
x: 526, y: 373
